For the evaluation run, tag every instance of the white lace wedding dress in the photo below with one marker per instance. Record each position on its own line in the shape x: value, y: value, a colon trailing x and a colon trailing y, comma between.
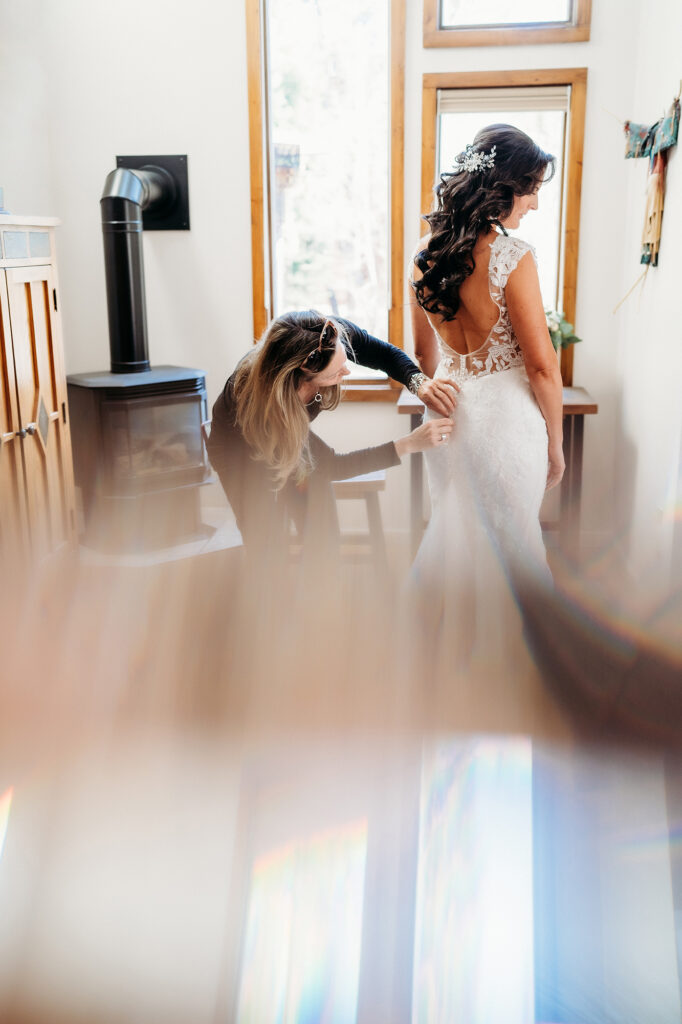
x: 486, y: 486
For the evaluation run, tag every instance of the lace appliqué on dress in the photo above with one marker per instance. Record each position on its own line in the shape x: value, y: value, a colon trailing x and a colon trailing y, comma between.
x: 500, y: 350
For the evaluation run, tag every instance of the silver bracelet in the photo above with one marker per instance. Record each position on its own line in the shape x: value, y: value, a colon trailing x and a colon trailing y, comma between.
x: 416, y: 382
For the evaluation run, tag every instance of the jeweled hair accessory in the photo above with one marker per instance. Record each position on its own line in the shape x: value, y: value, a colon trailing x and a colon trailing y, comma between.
x: 473, y: 161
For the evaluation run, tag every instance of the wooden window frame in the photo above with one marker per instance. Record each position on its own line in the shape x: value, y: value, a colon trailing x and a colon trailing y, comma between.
x: 258, y: 152
x: 575, y: 31
x: 573, y: 163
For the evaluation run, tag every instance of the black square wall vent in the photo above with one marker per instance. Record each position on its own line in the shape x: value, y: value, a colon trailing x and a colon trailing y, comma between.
x: 173, y: 215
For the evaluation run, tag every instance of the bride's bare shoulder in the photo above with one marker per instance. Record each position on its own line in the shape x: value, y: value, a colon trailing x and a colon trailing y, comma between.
x: 415, y: 270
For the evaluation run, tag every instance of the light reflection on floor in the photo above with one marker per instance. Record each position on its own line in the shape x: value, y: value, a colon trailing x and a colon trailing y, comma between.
x: 474, y: 918
x: 5, y: 804
x: 462, y: 878
x: 301, y: 954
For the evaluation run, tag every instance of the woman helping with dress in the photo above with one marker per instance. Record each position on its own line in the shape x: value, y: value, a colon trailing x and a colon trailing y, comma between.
x: 273, y: 468
x: 479, y: 323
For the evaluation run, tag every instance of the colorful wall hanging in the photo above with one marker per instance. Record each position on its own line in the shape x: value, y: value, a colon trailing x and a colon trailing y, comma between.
x: 654, y: 141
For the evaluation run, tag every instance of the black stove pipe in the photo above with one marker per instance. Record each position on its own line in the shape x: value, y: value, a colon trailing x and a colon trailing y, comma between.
x: 126, y: 194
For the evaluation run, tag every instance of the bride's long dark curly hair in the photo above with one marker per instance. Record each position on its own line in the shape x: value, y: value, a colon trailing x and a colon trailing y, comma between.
x: 467, y: 204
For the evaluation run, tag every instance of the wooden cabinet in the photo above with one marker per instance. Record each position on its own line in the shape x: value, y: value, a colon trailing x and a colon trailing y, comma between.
x: 37, y: 506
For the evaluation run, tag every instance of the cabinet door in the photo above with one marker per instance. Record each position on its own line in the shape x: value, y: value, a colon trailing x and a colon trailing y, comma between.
x: 13, y: 524
x: 41, y: 390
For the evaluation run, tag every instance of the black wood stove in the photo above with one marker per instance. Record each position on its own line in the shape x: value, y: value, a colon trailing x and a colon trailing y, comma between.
x: 136, y: 431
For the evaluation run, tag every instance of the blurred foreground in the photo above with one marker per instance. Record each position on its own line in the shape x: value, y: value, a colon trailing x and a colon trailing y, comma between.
x: 232, y: 798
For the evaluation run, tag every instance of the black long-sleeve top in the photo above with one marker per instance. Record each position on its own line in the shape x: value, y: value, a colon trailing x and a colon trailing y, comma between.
x: 262, y: 512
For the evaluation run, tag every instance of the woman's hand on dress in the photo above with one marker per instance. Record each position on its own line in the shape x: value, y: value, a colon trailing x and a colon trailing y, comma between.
x: 431, y: 434
x: 556, y: 467
x: 439, y: 395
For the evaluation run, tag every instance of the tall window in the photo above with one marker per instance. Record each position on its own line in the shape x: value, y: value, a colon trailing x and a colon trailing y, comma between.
x: 326, y: 170
x: 328, y: 121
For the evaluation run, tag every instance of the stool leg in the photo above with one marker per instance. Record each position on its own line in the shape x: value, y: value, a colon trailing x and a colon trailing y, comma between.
x: 571, y: 485
x: 376, y: 529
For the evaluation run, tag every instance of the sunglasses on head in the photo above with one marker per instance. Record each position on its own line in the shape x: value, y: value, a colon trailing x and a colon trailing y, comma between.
x: 313, y: 361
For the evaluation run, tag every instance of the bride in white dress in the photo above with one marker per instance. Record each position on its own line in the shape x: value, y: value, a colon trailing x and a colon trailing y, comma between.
x: 479, y: 322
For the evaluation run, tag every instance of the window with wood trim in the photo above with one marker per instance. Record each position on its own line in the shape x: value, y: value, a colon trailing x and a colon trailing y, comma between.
x: 550, y: 107
x: 326, y: 95
x: 539, y: 110
x: 505, y: 22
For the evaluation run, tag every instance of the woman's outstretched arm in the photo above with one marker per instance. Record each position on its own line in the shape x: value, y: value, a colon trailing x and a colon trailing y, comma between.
x: 380, y: 355
x: 524, y: 303
x: 341, y: 466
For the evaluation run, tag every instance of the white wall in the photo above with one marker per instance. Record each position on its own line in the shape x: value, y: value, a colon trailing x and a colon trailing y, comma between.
x: 647, y: 361
x: 140, y: 78
x: 165, y: 77
x: 25, y: 164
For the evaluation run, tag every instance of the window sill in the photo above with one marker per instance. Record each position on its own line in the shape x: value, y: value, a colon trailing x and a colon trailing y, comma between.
x: 374, y: 391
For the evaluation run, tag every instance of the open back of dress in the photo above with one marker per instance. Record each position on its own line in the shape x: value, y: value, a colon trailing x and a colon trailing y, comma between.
x: 500, y: 350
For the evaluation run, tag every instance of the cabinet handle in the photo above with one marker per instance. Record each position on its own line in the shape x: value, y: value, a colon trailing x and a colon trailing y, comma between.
x: 31, y: 429
x: 21, y: 433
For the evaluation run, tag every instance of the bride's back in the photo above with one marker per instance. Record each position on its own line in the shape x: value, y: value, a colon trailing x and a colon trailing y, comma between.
x: 478, y: 313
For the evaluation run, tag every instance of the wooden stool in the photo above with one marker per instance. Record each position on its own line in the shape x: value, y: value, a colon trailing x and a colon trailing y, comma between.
x: 367, y: 486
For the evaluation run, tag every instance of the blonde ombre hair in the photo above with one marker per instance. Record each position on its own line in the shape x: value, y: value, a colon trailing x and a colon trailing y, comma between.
x: 270, y: 414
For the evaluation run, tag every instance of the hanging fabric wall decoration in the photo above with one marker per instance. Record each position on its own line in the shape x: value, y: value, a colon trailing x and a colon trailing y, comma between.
x: 654, y: 141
